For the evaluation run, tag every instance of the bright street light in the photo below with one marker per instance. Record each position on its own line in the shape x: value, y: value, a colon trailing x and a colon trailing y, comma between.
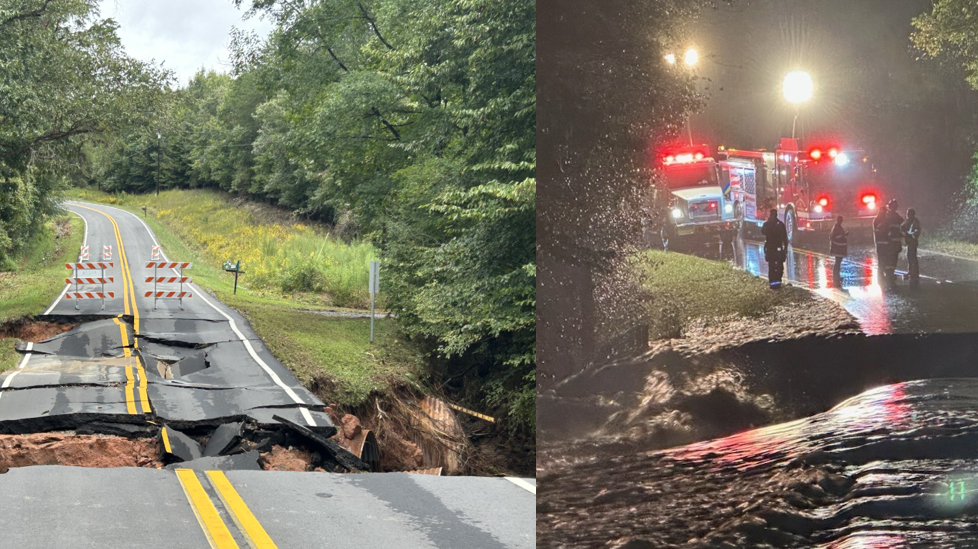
x: 797, y: 87
x: 691, y: 57
x: 670, y: 58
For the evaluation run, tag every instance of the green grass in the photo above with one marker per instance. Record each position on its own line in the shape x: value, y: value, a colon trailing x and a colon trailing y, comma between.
x: 331, y: 354
x: 951, y: 246
x: 682, y: 288
x: 311, y: 345
x: 39, y: 278
x: 279, y: 255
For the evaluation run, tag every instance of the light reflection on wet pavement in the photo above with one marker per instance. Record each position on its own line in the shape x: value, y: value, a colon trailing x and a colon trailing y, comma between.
x: 945, y: 301
x: 893, y: 467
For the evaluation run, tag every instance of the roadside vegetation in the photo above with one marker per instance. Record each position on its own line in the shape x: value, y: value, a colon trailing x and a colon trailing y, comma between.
x: 280, y: 255
x: 330, y: 355
x: 682, y: 289
x: 414, y: 132
x: 32, y: 277
x: 405, y: 129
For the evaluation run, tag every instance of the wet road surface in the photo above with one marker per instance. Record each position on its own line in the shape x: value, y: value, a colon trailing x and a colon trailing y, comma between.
x: 171, y: 369
x: 946, y: 301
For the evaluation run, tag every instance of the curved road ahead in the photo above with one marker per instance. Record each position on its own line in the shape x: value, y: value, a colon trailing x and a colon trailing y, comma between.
x: 137, y: 364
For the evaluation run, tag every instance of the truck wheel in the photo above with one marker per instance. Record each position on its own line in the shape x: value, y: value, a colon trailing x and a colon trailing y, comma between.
x: 790, y: 224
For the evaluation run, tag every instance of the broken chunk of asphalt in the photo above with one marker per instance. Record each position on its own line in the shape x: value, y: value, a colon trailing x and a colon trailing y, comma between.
x: 245, y: 461
x: 338, y: 453
x: 224, y: 438
x: 176, y: 446
x: 92, y: 339
x: 126, y: 430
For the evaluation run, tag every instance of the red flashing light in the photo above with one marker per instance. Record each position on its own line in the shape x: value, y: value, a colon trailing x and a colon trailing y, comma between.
x: 815, y: 154
x: 869, y: 200
x: 670, y: 159
x: 832, y: 152
x: 823, y: 202
x: 698, y: 156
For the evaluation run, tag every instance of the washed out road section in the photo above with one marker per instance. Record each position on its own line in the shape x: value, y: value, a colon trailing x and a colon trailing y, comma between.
x: 237, y: 375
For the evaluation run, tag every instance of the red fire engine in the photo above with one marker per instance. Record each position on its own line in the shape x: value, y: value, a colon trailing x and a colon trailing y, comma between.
x: 809, y: 187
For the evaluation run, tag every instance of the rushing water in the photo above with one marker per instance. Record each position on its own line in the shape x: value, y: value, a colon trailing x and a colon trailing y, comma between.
x: 896, y: 466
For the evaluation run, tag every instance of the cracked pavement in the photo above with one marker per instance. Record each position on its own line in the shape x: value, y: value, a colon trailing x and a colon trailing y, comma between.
x: 198, y: 368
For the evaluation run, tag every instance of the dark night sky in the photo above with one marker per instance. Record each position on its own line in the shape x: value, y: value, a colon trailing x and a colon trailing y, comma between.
x: 915, y: 118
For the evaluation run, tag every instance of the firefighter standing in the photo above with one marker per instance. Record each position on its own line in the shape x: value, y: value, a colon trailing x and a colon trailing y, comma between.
x: 894, y: 222
x: 911, y: 235
x: 839, y: 248
x: 775, y: 248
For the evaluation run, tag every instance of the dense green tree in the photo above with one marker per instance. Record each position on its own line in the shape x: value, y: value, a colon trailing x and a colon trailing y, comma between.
x: 63, y: 77
x: 415, y: 119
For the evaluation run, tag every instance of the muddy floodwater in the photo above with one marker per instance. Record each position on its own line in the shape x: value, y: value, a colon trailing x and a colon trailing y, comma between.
x: 894, y: 467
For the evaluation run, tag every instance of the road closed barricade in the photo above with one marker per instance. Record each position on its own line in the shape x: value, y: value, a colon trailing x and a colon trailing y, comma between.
x: 90, y: 273
x: 158, y: 278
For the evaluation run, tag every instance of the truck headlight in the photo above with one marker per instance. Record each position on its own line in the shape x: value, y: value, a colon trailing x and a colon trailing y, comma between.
x: 677, y: 213
x: 728, y: 208
x: 818, y: 208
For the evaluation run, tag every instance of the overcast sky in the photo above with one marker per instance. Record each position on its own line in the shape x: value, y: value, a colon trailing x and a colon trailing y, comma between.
x: 184, y: 35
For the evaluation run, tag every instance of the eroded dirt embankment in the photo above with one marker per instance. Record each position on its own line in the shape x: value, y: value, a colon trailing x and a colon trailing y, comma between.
x: 402, y: 431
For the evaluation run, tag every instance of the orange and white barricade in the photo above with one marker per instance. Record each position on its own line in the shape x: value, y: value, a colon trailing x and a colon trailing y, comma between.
x: 83, y: 254
x: 82, y: 273
x: 157, y: 293
x: 107, y: 252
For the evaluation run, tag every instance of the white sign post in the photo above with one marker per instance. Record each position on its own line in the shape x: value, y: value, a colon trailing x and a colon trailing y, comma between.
x: 374, y: 290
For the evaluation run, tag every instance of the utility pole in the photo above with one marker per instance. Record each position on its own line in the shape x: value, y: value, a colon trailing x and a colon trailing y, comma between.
x: 159, y: 138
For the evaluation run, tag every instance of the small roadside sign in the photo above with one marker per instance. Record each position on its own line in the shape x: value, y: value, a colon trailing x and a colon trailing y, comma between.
x: 374, y: 285
x: 232, y: 267
x: 375, y: 277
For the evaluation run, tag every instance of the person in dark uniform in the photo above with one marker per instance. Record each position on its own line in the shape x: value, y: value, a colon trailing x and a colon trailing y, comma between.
x: 881, y: 237
x: 894, y: 222
x: 911, y: 235
x: 775, y: 248
x: 838, y: 248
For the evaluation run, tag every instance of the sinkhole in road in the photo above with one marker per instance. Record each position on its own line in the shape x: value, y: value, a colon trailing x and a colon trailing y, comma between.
x: 186, y: 396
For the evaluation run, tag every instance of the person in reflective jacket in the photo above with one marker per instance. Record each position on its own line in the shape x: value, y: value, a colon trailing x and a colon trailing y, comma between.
x: 895, y: 235
x: 775, y: 248
x: 839, y: 248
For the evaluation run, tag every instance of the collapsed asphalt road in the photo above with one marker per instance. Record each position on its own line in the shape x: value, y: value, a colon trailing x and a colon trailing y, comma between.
x: 193, y: 375
x: 944, y: 302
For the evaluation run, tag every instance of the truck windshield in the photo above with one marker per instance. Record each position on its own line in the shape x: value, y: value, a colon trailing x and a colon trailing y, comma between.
x: 680, y: 176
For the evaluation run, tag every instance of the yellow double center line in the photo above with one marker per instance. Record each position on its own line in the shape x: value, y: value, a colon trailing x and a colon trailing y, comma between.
x: 216, y: 530
x: 128, y: 296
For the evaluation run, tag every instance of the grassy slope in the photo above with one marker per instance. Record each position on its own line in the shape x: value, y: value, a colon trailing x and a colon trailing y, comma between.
x: 334, y: 351
x: 38, y: 280
x: 950, y: 246
x: 683, y: 288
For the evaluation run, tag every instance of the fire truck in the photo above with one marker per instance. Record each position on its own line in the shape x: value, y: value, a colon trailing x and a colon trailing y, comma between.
x: 809, y: 186
x: 697, y: 201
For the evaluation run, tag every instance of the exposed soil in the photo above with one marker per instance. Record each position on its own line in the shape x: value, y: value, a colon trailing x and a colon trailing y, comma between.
x: 77, y: 450
x: 287, y: 459
x: 33, y: 330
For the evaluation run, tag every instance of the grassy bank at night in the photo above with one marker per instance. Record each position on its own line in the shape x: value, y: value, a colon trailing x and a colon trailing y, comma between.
x: 682, y: 289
